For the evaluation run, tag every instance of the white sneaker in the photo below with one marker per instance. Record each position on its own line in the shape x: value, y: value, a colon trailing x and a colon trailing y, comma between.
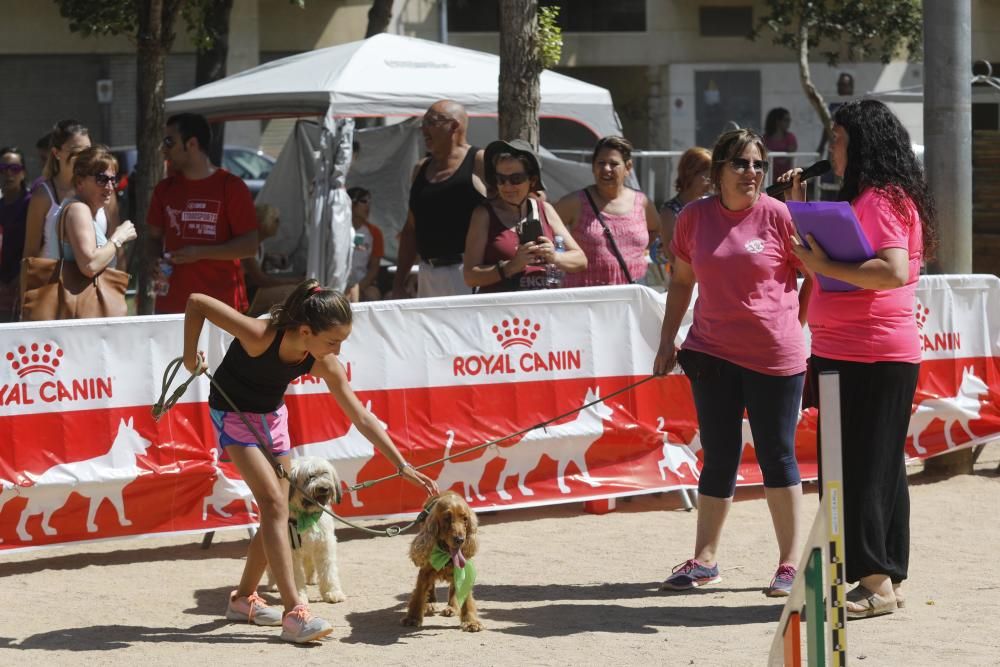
x: 252, y: 609
x: 301, y: 627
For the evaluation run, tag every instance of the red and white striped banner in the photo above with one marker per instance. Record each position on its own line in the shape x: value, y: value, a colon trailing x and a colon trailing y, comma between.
x: 81, y: 457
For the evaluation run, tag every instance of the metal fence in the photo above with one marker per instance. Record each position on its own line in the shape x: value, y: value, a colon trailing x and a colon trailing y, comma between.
x: 654, y: 170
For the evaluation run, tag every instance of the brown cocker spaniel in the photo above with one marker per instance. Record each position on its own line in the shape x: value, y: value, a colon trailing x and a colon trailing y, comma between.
x: 451, y: 525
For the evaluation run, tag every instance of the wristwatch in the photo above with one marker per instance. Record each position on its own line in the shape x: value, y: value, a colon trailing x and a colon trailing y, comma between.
x: 118, y: 244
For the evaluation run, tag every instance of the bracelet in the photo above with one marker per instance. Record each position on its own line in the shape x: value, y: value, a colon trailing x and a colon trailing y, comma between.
x: 500, y: 271
x: 403, y: 466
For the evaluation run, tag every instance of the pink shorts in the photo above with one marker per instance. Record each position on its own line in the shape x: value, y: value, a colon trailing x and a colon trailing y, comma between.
x: 271, y: 427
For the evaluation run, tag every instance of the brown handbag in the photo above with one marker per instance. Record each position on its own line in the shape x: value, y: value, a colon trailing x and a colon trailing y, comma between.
x: 56, y: 289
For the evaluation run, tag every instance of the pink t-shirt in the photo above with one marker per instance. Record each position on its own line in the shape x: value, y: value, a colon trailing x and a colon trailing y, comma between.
x: 873, y: 325
x: 747, y: 311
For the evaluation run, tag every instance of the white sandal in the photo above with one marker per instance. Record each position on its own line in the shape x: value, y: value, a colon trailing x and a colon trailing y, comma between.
x: 863, y: 603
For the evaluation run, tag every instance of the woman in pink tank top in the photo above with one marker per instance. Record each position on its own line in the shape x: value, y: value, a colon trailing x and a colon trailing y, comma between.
x: 630, y: 217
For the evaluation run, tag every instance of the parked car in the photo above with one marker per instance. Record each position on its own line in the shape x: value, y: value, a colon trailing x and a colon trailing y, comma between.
x: 250, y: 164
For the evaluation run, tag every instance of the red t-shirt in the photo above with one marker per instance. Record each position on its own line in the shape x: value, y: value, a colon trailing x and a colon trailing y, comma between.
x: 873, y: 325
x: 747, y: 310
x: 208, y: 211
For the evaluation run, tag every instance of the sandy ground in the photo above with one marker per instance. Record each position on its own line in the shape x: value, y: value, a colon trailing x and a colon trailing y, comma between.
x: 556, y: 587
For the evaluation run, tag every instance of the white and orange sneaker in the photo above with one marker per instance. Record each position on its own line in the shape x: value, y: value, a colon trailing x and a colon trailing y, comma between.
x: 252, y: 609
x: 301, y: 627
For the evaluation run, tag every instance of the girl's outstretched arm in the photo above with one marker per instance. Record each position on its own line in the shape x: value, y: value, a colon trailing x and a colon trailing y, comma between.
x: 330, y: 369
x: 252, y: 333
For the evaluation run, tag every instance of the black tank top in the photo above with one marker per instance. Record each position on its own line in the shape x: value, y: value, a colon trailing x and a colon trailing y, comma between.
x: 256, y: 384
x: 442, y: 210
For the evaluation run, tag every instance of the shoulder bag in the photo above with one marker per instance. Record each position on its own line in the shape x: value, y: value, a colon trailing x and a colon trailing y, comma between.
x: 611, y: 239
x: 56, y: 289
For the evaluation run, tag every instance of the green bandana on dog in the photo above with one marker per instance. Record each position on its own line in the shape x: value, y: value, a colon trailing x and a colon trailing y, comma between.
x: 463, y: 571
x: 304, y: 521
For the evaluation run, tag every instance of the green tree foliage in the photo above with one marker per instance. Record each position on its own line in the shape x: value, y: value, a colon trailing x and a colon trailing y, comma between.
x: 853, y: 29
x: 549, y: 35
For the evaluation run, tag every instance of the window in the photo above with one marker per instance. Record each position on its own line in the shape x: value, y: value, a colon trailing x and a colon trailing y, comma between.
x: 725, y: 21
x: 574, y: 15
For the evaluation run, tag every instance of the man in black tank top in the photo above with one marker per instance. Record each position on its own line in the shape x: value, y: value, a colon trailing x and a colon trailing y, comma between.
x: 447, y: 185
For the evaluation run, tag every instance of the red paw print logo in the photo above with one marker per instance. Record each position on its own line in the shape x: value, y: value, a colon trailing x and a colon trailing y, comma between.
x: 516, y: 331
x: 921, y: 312
x: 35, y: 358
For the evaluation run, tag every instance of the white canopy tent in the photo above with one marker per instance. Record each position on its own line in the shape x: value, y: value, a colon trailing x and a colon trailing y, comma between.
x: 382, y: 76
x: 387, y: 75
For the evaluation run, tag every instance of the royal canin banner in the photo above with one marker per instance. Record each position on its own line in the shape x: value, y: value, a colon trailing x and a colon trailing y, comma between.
x: 81, y: 457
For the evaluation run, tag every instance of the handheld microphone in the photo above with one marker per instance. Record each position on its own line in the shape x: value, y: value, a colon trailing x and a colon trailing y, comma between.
x: 812, y: 171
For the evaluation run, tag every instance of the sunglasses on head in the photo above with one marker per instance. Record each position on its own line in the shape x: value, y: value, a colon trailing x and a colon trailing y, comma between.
x: 740, y: 165
x: 12, y: 168
x: 514, y: 179
x: 104, y: 179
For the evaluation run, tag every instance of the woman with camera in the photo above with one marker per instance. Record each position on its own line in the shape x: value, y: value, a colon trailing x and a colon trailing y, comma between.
x: 512, y: 237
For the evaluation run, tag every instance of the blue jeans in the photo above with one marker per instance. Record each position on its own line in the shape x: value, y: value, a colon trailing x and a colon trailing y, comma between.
x: 722, y: 391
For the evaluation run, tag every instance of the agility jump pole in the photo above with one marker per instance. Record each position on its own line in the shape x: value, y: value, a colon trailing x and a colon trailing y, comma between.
x: 820, y: 585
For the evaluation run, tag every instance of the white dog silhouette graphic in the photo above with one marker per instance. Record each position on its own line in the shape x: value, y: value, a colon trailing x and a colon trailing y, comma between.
x: 349, y: 454
x: 566, y: 443
x: 961, y: 409
x: 98, y: 479
x: 468, y: 473
x: 224, y: 491
x: 676, y: 455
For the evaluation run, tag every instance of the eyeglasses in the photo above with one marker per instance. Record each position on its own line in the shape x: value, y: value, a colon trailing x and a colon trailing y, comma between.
x: 514, y: 179
x: 434, y: 120
x: 104, y: 179
x: 12, y: 168
x: 740, y: 165
x: 168, y: 142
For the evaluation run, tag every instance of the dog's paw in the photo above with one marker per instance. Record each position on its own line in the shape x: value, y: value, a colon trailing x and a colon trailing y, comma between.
x: 334, y: 596
x: 449, y: 611
x: 472, y: 626
x: 412, y: 622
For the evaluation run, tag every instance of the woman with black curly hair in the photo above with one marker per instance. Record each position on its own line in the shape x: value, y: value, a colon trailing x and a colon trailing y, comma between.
x: 869, y: 336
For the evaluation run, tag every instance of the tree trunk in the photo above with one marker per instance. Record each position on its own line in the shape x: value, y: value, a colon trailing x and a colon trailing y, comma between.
x: 154, y: 39
x: 520, y: 67
x: 815, y: 99
x: 210, y: 64
x: 378, y: 17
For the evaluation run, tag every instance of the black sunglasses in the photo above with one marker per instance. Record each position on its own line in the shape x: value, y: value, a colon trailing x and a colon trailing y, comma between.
x: 12, y: 168
x: 740, y: 165
x: 169, y: 142
x: 363, y: 200
x: 514, y: 179
x: 104, y: 179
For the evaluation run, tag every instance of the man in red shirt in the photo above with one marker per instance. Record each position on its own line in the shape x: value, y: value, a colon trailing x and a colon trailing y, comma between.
x: 203, y: 217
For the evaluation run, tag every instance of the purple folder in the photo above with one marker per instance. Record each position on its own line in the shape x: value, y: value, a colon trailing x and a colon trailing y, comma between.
x: 837, y: 230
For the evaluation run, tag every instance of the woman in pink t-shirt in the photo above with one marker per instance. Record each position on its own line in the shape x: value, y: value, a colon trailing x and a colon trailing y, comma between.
x: 745, y: 351
x: 869, y: 336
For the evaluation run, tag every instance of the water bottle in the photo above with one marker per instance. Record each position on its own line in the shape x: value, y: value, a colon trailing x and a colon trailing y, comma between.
x: 553, y: 274
x: 161, y: 285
